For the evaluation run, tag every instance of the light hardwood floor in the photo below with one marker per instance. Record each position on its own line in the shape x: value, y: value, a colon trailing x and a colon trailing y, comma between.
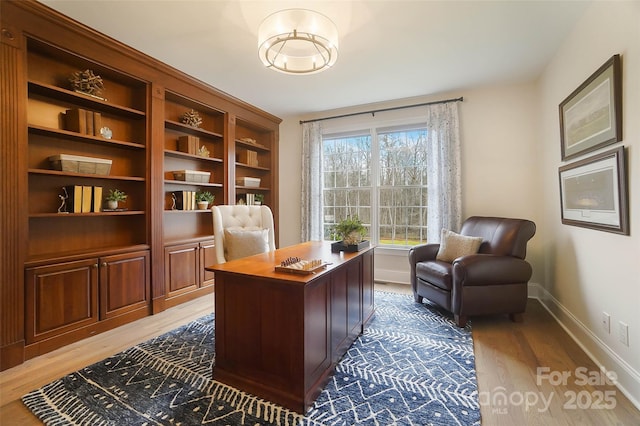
x: 507, y: 358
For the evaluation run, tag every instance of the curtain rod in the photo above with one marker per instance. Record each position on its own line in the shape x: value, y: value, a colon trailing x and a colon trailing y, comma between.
x: 373, y: 112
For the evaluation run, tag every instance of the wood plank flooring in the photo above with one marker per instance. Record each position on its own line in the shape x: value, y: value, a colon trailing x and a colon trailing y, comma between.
x: 507, y: 358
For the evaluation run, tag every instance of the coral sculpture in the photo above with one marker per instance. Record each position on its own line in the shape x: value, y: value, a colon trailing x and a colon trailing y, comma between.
x: 87, y: 82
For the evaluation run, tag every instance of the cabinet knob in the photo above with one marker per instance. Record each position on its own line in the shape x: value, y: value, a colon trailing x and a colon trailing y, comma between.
x: 104, y: 264
x: 95, y: 265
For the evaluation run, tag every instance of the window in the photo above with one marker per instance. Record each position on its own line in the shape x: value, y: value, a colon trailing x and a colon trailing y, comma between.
x: 380, y: 176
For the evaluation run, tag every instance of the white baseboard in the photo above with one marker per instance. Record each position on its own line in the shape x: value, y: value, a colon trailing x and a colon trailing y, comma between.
x: 628, y: 379
x: 392, y: 276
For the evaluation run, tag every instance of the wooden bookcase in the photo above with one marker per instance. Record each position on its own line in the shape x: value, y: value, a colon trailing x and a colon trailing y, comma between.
x: 188, y: 232
x: 66, y: 276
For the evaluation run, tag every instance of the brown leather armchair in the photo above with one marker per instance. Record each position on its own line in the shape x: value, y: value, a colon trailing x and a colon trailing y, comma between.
x: 493, y: 281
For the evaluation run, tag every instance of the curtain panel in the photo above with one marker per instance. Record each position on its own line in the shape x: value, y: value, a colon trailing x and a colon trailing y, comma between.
x: 443, y: 175
x: 311, y: 203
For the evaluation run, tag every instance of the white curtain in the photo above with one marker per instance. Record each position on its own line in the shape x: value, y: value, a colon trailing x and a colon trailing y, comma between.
x: 311, y: 203
x: 443, y: 175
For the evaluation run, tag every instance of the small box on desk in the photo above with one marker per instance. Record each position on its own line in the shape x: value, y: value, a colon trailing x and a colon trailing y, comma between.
x: 80, y: 164
x: 192, y: 176
x: 249, y: 182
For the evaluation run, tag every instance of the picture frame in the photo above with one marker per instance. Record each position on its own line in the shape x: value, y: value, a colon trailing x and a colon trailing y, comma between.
x: 591, y: 116
x: 593, y: 192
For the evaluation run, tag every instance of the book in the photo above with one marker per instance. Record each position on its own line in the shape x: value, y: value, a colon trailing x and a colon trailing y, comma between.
x: 74, y: 200
x: 75, y: 120
x: 96, y: 205
x: 89, y: 120
x: 97, y: 123
x: 87, y: 201
x: 194, y: 204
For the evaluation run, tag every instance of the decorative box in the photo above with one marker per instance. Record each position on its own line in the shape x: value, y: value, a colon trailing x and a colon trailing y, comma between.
x: 80, y: 164
x: 339, y: 246
x: 192, y: 176
x: 248, y: 182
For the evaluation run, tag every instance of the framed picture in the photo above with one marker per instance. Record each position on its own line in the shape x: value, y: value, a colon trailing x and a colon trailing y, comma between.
x: 591, y: 117
x: 593, y: 192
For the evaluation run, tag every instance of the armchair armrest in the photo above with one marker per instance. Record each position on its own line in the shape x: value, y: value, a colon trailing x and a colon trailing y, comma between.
x: 423, y: 252
x: 489, y: 269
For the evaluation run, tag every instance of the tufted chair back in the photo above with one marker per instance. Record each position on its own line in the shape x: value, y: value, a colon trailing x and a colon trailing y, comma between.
x: 240, y: 217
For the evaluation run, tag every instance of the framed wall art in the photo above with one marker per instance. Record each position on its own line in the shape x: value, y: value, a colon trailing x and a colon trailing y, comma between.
x: 593, y: 192
x: 591, y: 116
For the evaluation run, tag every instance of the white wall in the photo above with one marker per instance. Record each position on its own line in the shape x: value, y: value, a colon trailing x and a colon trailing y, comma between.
x: 499, y: 158
x: 586, y: 271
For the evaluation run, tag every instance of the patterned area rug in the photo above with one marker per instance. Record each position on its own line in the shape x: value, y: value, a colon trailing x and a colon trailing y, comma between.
x: 412, y: 366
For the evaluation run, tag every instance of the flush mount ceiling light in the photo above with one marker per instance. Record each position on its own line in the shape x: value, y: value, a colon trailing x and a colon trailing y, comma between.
x: 298, y: 41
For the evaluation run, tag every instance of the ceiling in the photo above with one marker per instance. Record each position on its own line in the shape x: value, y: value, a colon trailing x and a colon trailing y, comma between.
x: 388, y: 49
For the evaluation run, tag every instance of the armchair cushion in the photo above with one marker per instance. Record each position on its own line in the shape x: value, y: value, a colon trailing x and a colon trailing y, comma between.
x: 453, y: 246
x: 242, y: 243
x: 435, y: 272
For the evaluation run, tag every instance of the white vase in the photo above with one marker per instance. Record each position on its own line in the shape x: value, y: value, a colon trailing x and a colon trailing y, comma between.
x: 112, y: 205
x: 202, y: 205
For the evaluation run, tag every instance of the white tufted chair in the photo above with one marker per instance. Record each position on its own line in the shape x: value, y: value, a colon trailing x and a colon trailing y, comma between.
x: 240, y: 217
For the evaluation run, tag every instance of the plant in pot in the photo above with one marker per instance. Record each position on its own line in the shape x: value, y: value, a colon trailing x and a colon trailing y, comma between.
x: 258, y: 199
x: 114, y: 197
x: 351, y: 232
x: 203, y: 199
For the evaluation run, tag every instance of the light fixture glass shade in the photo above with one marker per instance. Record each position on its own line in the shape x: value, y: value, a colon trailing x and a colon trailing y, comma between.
x: 298, y: 41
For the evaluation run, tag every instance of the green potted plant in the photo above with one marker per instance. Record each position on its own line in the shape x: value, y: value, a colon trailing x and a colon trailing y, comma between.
x: 258, y: 199
x: 203, y: 199
x: 114, y: 197
x: 351, y: 232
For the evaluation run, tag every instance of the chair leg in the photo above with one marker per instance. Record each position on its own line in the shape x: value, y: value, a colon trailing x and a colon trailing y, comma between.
x: 417, y: 298
x: 460, y: 320
x: 516, y: 317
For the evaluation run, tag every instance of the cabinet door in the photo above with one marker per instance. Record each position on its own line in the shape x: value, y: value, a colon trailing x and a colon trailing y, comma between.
x: 338, y: 313
x: 124, y: 283
x: 367, y: 287
x: 60, y: 298
x: 181, y: 268
x: 354, y: 305
x: 207, y: 258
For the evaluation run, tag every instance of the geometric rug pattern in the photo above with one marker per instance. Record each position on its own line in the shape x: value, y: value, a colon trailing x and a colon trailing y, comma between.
x: 411, y: 366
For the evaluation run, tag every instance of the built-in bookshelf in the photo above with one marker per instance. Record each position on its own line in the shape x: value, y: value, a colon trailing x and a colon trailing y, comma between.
x: 75, y: 271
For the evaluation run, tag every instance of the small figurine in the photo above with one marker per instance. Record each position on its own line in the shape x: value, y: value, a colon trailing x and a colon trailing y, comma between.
x: 173, y: 202
x: 203, y: 151
x: 63, y: 198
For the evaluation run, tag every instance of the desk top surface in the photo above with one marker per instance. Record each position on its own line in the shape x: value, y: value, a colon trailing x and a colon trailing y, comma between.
x: 263, y: 265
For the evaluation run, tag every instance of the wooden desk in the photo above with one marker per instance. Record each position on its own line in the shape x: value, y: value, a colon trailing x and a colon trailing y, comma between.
x: 279, y: 335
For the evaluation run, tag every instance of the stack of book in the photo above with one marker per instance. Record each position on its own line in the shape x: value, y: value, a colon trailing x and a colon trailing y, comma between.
x: 83, y: 199
x: 83, y: 121
x: 248, y: 157
x: 189, y: 144
x: 184, y: 200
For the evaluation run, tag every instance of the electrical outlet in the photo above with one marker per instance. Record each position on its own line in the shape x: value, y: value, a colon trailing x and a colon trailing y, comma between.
x: 623, y: 333
x: 606, y: 322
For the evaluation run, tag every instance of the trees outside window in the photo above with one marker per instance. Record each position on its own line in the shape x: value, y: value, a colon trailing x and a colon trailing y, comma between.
x: 379, y: 176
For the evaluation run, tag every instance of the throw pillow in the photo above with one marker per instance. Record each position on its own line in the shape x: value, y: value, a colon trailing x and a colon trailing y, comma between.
x: 453, y: 245
x: 243, y: 243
